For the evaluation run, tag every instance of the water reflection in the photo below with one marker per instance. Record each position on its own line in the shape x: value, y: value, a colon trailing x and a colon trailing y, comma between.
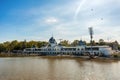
x: 51, y: 68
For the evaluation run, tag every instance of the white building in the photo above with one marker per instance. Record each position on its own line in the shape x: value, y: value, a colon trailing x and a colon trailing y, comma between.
x: 56, y: 49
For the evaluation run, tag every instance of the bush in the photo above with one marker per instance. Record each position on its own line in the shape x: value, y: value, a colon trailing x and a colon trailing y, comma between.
x: 115, y: 56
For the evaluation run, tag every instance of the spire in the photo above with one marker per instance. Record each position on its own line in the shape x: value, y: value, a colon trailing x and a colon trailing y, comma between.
x: 52, y: 34
x: 52, y: 40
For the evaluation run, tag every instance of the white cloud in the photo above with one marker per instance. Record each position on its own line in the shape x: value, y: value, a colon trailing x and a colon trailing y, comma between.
x: 61, y: 18
x: 51, y: 20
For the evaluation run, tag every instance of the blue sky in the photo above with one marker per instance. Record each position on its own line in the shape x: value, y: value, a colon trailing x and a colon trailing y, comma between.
x: 65, y: 19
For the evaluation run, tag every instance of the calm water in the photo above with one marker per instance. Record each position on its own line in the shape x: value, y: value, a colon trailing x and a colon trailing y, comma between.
x: 39, y: 68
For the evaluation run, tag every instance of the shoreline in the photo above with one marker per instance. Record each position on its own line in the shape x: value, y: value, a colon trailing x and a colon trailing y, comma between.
x: 16, y: 55
x: 82, y: 57
x: 60, y: 56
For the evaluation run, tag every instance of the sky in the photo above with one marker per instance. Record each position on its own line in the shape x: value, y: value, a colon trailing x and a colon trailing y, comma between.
x: 63, y: 19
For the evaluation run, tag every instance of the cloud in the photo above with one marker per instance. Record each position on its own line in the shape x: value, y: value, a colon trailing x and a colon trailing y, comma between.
x: 51, y: 20
x: 71, y: 20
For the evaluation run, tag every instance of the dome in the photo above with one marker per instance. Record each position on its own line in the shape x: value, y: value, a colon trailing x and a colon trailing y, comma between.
x: 81, y: 43
x: 52, y: 40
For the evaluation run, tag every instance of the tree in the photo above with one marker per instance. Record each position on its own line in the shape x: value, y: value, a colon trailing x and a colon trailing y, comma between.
x: 41, y: 44
x: 65, y: 43
x: 115, y: 45
x: 93, y: 43
x: 101, y: 42
x: 2, y: 48
x: 75, y: 43
x: 7, y: 46
x: 13, y: 44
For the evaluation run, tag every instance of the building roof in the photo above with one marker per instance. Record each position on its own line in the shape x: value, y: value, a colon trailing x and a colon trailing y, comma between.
x: 52, y: 40
x: 81, y: 43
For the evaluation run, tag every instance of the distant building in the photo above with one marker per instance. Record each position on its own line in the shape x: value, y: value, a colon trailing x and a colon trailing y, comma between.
x: 56, y: 49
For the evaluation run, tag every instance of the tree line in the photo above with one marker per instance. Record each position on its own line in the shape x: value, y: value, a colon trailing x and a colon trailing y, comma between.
x: 20, y: 45
x: 10, y: 46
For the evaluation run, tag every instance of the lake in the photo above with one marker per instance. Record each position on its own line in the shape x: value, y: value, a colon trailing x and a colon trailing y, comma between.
x: 53, y: 68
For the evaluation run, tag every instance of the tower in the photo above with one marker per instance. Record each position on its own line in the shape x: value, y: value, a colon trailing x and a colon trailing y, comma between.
x: 91, y: 42
x: 52, y: 42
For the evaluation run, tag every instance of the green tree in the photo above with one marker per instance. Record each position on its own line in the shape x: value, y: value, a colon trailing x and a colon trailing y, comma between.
x: 65, y: 43
x: 115, y: 45
x: 101, y: 42
x: 41, y: 44
x: 7, y: 46
x: 13, y: 44
x: 75, y: 43
x: 2, y: 48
